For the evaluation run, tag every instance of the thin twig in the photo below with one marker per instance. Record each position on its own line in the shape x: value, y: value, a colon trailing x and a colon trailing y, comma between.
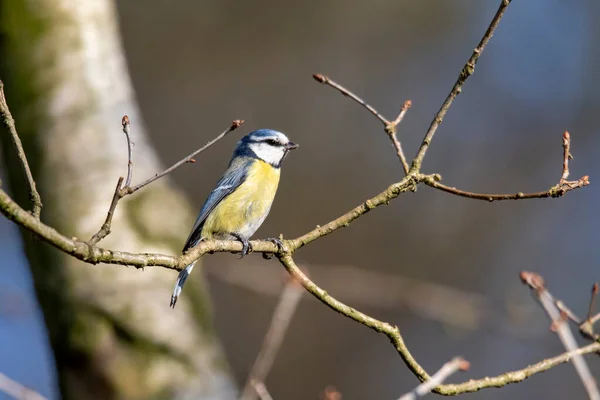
x: 467, y: 71
x: 234, y: 125
x: 587, y: 327
x: 125, y: 123
x: 451, y: 367
x: 9, y: 122
x: 282, y: 316
x: 326, y: 81
x: 536, y: 282
x: 261, y: 390
x: 558, y: 190
x: 563, y: 186
x: 392, y: 128
x: 18, y: 391
x: 566, y: 156
x: 105, y: 228
x: 595, y: 289
x: 122, y: 191
x: 389, y: 126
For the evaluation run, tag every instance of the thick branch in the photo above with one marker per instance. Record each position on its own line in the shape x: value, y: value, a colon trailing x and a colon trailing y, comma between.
x: 9, y: 122
x: 467, y: 71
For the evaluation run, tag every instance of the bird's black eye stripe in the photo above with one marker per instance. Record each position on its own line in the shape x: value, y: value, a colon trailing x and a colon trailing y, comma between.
x: 273, y: 142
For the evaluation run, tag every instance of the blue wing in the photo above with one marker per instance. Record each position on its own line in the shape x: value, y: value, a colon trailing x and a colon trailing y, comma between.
x: 235, y: 175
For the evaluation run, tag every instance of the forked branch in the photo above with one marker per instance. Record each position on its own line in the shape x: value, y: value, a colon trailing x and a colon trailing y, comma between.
x: 122, y: 191
x: 9, y: 122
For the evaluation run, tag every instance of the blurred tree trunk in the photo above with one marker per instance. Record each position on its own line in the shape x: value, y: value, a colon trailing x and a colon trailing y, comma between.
x: 111, y: 328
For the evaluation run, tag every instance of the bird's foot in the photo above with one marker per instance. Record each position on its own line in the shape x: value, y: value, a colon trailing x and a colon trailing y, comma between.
x: 246, y: 246
x: 278, y: 242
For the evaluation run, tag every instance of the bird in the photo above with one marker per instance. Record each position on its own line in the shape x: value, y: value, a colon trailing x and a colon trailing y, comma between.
x: 242, y: 198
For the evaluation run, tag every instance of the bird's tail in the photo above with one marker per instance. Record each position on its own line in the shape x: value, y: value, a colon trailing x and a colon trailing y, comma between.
x: 183, y: 275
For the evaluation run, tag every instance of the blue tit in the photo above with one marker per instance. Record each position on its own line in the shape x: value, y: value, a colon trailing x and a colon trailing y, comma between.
x: 239, y: 204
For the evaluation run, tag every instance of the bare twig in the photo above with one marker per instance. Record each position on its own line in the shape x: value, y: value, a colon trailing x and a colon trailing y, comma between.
x: 261, y: 390
x: 389, y: 126
x: 234, y: 125
x: 587, y: 327
x: 566, y: 156
x: 536, y: 282
x: 563, y: 186
x: 18, y: 391
x: 125, y: 123
x: 122, y: 191
x: 558, y: 190
x: 105, y: 228
x: 467, y: 71
x: 326, y: 81
x: 595, y: 289
x: 9, y: 122
x: 391, y: 130
x: 282, y: 316
x: 451, y: 367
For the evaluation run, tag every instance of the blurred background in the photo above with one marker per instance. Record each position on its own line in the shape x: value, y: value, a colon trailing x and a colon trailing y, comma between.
x: 442, y: 268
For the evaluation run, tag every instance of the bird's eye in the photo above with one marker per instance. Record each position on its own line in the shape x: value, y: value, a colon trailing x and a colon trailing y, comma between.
x: 273, y: 142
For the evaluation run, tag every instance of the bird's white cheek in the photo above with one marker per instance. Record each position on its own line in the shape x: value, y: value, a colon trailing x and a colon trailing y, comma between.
x: 267, y: 153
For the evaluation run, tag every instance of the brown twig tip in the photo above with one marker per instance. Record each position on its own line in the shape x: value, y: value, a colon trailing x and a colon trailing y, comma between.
x: 125, y: 120
x: 320, y: 78
x: 532, y: 279
x: 407, y: 105
x: 463, y: 365
x: 595, y: 289
x: 236, y: 123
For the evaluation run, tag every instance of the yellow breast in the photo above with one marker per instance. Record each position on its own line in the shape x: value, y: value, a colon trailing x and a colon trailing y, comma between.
x: 243, y: 211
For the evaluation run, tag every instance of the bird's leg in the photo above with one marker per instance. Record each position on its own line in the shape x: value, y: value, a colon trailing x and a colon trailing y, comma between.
x: 246, y: 246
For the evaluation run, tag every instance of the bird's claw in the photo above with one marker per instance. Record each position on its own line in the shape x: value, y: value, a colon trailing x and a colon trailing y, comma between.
x: 246, y: 246
x: 279, y: 245
x: 278, y: 242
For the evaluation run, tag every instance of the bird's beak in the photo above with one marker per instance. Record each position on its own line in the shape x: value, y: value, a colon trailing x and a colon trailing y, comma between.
x: 291, y: 146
